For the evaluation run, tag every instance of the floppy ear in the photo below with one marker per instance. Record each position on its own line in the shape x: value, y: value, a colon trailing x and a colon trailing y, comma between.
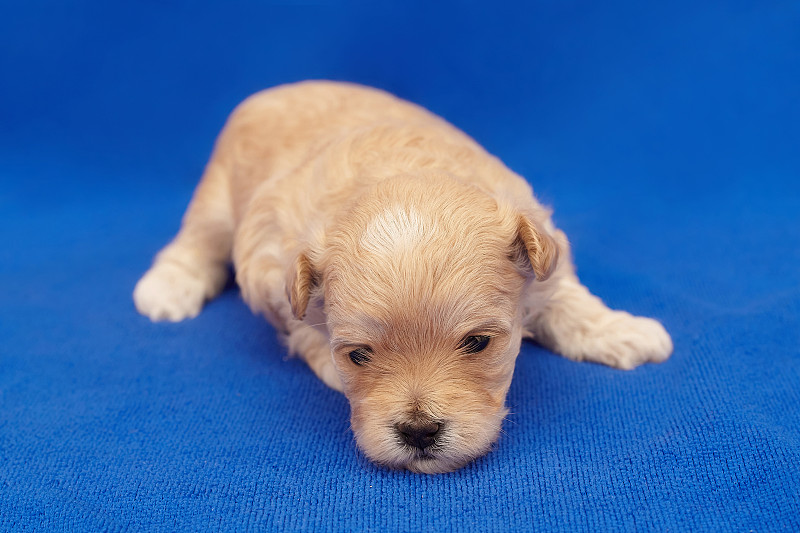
x: 301, y: 280
x: 534, y: 251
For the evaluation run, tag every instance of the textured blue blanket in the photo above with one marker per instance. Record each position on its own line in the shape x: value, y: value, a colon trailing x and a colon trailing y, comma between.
x: 666, y: 137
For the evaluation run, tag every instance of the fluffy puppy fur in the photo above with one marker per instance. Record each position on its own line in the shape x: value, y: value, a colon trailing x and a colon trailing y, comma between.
x: 397, y: 257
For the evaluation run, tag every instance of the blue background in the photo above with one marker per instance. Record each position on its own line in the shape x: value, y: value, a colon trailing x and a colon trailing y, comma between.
x: 665, y: 135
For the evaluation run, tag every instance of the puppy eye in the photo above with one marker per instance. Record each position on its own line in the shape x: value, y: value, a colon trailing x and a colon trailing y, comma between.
x: 475, y: 343
x: 360, y: 356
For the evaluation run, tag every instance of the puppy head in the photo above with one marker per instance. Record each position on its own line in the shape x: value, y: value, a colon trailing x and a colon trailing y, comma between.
x: 422, y: 283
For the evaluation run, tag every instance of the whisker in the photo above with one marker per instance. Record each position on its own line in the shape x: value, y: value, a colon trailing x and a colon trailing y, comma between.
x: 304, y: 325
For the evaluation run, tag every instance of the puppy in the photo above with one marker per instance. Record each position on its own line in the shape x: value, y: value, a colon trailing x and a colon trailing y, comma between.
x: 397, y: 257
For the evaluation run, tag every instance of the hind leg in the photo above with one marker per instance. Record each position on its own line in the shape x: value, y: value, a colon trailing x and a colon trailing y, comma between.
x: 192, y: 268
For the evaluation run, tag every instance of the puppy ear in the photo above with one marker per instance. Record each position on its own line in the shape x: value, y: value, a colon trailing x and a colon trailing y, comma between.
x: 534, y: 251
x: 301, y: 280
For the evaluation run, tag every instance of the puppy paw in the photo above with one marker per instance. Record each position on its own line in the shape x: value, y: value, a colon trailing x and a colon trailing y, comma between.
x: 626, y: 341
x: 168, y: 291
x: 328, y: 374
x: 313, y: 346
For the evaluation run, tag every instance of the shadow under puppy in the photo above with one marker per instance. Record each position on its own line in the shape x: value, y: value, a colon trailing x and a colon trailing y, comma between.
x: 397, y: 257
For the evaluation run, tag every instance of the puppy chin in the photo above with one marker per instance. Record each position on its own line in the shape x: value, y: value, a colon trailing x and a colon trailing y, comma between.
x: 459, y: 443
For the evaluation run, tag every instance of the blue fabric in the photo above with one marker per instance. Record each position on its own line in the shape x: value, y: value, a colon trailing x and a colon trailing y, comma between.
x: 665, y: 136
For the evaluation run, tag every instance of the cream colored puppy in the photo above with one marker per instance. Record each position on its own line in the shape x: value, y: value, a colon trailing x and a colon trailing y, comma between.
x: 397, y: 257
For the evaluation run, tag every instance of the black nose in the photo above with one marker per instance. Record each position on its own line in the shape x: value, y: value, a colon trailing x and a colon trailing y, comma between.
x: 419, y: 434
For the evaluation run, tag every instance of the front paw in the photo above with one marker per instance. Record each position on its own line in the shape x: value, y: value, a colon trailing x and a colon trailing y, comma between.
x: 328, y: 374
x: 626, y: 341
x: 169, y: 292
